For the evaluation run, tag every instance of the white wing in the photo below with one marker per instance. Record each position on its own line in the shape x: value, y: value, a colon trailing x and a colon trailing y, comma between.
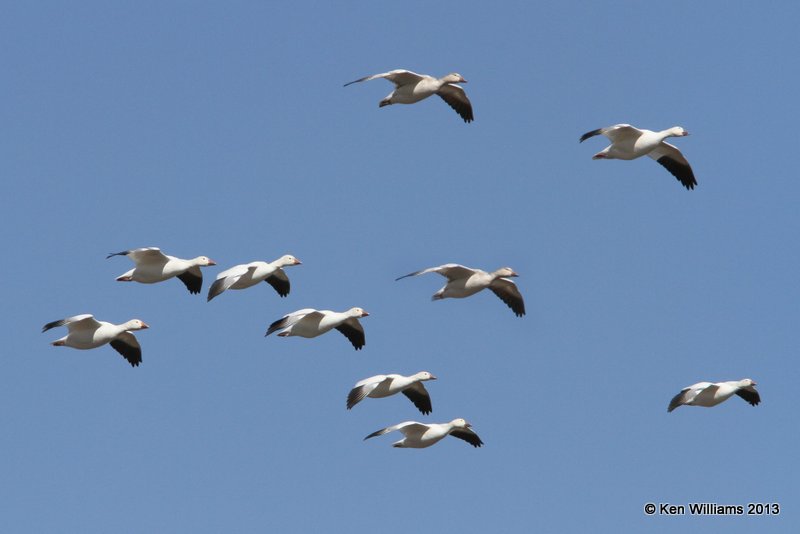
x: 362, y: 389
x: 288, y: 320
x: 615, y: 133
x: 226, y: 279
x: 84, y: 321
x: 451, y: 271
x: 235, y: 272
x: 408, y: 427
x: 146, y: 255
x: 377, y: 379
x: 398, y: 77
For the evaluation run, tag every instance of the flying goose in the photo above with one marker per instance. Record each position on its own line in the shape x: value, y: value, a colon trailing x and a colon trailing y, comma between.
x: 419, y: 435
x: 465, y: 281
x: 309, y: 322
x: 411, y: 87
x: 628, y: 142
x: 710, y: 394
x: 250, y: 274
x: 153, y: 266
x: 85, y: 332
x: 380, y: 386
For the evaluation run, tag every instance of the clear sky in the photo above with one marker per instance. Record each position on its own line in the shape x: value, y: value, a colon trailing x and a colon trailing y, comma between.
x: 223, y: 129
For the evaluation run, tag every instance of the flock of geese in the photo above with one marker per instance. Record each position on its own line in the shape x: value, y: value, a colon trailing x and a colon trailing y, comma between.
x: 153, y: 266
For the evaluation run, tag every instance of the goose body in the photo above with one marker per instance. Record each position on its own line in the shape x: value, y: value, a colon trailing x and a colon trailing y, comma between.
x: 309, y: 323
x: 380, y: 386
x: 249, y: 274
x: 85, y: 332
x: 411, y: 87
x: 154, y: 266
x: 421, y: 435
x: 463, y: 282
x: 629, y: 142
x: 710, y: 394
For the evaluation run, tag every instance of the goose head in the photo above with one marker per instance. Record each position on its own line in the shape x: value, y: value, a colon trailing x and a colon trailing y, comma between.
x: 203, y: 261
x: 357, y: 312
x: 454, y: 77
x: 425, y: 375
x: 135, y: 324
x: 747, y: 382
x: 505, y: 272
x: 460, y: 423
x: 677, y: 131
x: 287, y: 260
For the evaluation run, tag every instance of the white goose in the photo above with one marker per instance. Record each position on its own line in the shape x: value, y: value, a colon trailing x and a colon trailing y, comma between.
x: 85, y: 332
x: 153, y: 266
x: 250, y: 274
x: 309, y: 322
x: 380, y: 386
x: 465, y: 281
x: 628, y: 142
x: 419, y: 435
x: 710, y: 394
x: 411, y: 87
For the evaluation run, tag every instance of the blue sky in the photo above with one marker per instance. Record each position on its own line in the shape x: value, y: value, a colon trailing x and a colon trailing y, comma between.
x: 223, y: 130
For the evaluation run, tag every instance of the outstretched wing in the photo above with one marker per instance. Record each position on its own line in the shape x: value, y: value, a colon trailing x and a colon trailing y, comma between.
x: 353, y: 331
x: 451, y: 271
x: 192, y: 279
x: 509, y: 293
x: 417, y: 394
x: 127, y: 345
x: 84, y: 321
x: 680, y: 399
x: 398, y: 77
x: 457, y: 99
x: 150, y: 255
x: 688, y: 394
x: 467, y: 435
x: 362, y: 389
x: 226, y: 279
x: 615, y: 133
x: 279, y: 282
x: 750, y: 395
x: 407, y: 426
x: 288, y: 320
x: 671, y: 159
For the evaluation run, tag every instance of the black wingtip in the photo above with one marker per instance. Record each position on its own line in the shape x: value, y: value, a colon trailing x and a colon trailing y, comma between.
x: 53, y: 324
x: 407, y: 275
x: 193, y: 283
x: 275, y: 326
x: 752, y: 397
x: 355, y: 81
x: 675, y: 402
x: 681, y: 171
x: 587, y: 135
x: 374, y: 434
x: 214, y: 291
